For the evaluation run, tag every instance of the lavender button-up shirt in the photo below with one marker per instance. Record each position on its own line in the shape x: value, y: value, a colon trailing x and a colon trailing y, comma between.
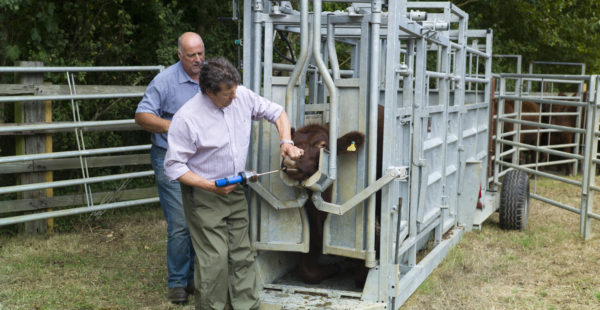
x: 211, y: 141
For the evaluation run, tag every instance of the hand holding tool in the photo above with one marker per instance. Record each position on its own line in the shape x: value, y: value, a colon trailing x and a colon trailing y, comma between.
x: 243, y: 177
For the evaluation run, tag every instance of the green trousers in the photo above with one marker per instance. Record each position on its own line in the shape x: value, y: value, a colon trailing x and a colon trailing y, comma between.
x: 224, y: 262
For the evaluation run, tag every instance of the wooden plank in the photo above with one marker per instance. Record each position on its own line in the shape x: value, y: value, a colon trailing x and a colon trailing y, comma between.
x: 57, y: 202
x: 73, y: 163
x: 34, y: 89
x: 30, y: 112
x: 48, y: 141
x: 16, y: 89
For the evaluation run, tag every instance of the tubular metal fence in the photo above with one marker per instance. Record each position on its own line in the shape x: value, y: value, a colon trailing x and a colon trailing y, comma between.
x: 550, y: 134
x: 28, y: 171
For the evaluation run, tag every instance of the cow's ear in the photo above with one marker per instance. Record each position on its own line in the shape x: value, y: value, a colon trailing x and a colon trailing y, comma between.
x: 293, y: 131
x: 350, y: 142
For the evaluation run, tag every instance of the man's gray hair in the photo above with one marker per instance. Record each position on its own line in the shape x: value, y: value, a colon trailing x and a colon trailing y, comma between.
x: 217, y: 71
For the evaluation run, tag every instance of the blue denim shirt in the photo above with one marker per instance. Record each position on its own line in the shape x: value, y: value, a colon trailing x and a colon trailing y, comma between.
x: 167, y: 92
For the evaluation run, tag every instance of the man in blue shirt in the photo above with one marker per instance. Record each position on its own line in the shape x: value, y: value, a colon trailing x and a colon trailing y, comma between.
x: 167, y: 92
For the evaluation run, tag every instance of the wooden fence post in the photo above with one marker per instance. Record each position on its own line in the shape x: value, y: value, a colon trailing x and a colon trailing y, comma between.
x: 31, y: 112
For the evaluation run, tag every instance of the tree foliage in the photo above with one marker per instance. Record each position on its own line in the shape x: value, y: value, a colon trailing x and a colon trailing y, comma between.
x: 109, y: 32
x: 103, y: 33
x: 117, y: 32
x: 542, y: 30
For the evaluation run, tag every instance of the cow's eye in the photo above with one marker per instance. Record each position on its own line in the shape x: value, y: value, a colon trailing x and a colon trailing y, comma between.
x: 322, y: 145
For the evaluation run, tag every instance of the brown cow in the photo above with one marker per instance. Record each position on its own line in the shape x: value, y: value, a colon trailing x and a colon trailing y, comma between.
x: 553, y: 138
x: 311, y: 139
x: 563, y: 137
x: 530, y: 109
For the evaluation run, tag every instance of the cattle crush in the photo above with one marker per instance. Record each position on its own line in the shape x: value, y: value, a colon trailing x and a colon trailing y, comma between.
x: 432, y: 77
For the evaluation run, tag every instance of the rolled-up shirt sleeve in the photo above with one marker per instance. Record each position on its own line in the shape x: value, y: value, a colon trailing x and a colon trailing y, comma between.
x: 182, y: 147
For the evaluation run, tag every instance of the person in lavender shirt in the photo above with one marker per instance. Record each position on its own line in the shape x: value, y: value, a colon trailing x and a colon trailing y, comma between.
x: 167, y: 92
x: 208, y: 140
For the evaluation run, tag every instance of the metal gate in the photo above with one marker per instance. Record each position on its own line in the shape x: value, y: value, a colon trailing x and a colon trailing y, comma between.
x: 551, y: 134
x: 34, y: 159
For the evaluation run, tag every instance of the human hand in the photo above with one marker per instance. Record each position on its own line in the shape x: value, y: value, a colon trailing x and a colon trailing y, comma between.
x: 224, y: 190
x: 287, y: 149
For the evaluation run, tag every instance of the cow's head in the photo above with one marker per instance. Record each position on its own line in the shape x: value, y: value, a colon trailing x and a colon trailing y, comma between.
x: 312, y: 138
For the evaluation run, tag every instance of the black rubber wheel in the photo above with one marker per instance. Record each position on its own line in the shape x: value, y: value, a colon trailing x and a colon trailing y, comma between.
x: 514, y: 200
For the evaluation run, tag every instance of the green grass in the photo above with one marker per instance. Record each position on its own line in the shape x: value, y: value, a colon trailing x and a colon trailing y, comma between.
x: 549, y: 266
x: 116, y: 264
x: 117, y: 261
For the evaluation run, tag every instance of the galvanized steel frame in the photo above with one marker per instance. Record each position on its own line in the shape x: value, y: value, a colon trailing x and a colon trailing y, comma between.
x: 589, y: 129
x: 398, y: 272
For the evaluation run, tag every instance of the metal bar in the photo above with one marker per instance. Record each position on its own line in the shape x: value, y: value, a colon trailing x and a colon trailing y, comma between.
x: 304, y: 53
x: 46, y: 126
x: 476, y: 52
x: 390, y: 101
x: 510, y: 115
x: 550, y: 101
x: 545, y: 150
x: 549, y: 163
x: 546, y: 76
x: 333, y: 59
x: 247, y: 76
x: 37, y: 186
x: 12, y: 159
x: 333, y: 94
x: 589, y: 168
x: 578, y: 64
x: 80, y: 69
x: 488, y: 89
x: 74, y: 211
x: 556, y: 203
x: 442, y: 75
x: 79, y: 138
x: 539, y: 173
x: 374, y: 95
x: 477, y: 80
x: 543, y: 125
x: 255, y: 83
x: 499, y: 130
x: 289, y: 67
x: 276, y: 203
x: 69, y: 97
x: 257, y: 46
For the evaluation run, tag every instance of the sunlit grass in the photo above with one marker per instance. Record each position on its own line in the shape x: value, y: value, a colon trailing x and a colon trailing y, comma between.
x: 549, y: 266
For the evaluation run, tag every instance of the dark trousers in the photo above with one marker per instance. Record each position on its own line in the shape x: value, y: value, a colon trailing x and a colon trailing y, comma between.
x: 224, y: 257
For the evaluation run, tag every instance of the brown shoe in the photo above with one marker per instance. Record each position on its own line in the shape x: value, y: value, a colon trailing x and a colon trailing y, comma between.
x: 177, y: 295
x: 190, y: 288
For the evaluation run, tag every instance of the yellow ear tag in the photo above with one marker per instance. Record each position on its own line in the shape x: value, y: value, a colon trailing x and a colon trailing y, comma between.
x: 351, y: 148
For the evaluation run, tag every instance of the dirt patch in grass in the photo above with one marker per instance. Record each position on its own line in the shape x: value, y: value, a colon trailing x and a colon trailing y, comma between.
x: 120, y: 264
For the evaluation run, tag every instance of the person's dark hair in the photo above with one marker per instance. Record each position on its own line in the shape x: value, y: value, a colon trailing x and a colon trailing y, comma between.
x: 216, y: 71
